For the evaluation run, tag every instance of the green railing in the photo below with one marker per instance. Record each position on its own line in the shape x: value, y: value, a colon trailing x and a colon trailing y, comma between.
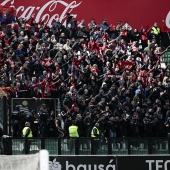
x: 86, y: 146
x: 165, y: 58
x: 1, y: 112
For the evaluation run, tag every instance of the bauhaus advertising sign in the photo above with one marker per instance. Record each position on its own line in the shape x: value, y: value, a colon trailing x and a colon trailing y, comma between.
x: 109, y: 163
x: 82, y: 163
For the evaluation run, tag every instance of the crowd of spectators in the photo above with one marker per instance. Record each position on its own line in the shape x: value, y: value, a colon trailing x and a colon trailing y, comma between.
x: 101, y: 73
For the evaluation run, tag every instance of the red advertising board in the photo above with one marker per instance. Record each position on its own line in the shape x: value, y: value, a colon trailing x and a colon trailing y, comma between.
x: 137, y: 12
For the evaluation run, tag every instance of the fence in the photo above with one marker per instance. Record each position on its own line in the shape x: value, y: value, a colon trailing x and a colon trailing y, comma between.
x: 165, y: 58
x: 86, y: 146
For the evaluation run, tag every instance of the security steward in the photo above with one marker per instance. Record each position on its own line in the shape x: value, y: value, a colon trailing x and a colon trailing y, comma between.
x: 27, y: 133
x: 95, y: 134
x: 73, y: 134
x: 157, y: 32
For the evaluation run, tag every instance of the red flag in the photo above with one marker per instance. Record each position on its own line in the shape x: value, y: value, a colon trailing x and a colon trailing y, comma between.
x: 123, y: 64
x: 7, y: 14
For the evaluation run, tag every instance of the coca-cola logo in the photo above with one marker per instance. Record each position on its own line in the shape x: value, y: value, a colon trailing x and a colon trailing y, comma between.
x: 168, y: 20
x: 48, y: 12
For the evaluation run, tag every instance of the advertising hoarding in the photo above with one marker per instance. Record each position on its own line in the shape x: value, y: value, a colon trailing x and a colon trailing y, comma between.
x: 137, y: 13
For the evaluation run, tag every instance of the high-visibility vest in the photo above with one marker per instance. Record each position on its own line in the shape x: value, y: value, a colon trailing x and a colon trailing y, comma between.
x: 24, y: 132
x: 92, y: 132
x: 156, y: 31
x: 73, y: 131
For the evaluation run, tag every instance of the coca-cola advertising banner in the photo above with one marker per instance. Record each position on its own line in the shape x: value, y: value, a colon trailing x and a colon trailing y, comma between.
x: 143, y: 162
x: 137, y: 12
x: 82, y: 163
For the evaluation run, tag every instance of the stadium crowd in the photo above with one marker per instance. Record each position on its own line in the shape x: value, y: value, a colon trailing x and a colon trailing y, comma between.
x: 101, y: 73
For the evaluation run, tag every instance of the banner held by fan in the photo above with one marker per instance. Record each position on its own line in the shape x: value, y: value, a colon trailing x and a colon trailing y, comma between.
x: 7, y: 14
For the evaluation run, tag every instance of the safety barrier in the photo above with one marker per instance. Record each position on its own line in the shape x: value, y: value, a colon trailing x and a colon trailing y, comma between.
x: 165, y: 58
x: 86, y: 146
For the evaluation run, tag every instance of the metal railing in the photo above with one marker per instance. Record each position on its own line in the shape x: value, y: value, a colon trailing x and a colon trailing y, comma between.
x: 165, y: 58
x: 86, y: 146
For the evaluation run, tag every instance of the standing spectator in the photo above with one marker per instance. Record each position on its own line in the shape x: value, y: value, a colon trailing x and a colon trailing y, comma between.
x: 43, y: 117
x: 59, y: 126
x: 92, y: 24
x: 67, y: 124
x: 80, y: 124
x: 95, y: 134
x: 135, y: 35
x: 112, y: 126
x: 127, y: 31
x: 67, y: 102
x: 119, y: 27
x: 167, y: 124
x: 88, y: 124
x: 82, y: 25
x: 69, y: 32
x: 105, y: 27
x: 68, y: 19
x: 144, y: 37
